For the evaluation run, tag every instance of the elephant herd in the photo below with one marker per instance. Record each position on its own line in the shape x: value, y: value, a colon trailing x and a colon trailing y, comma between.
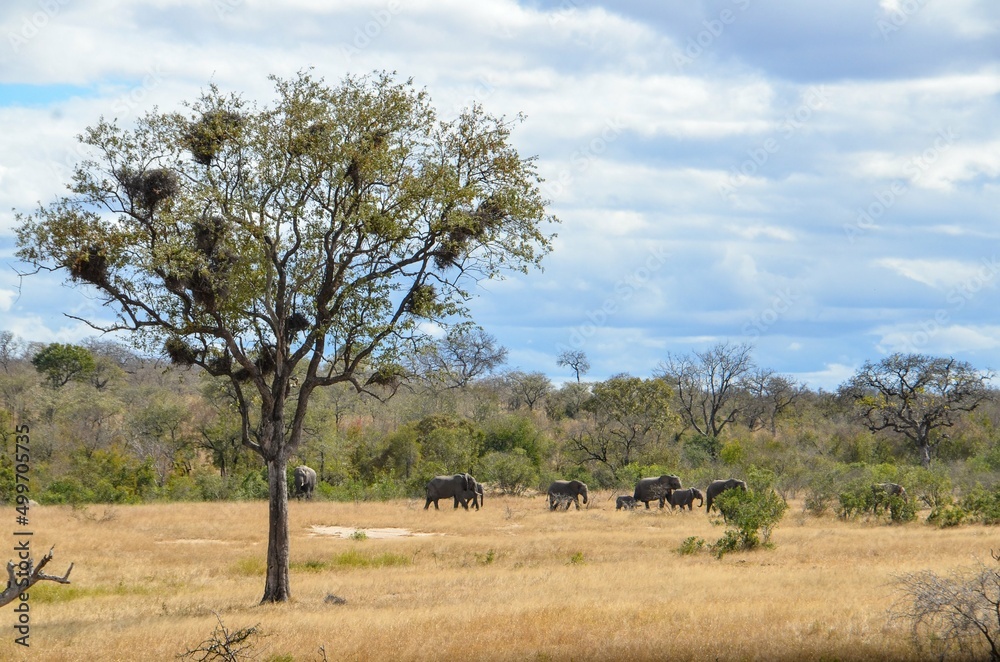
x: 667, y: 489
x: 662, y: 489
x: 464, y: 489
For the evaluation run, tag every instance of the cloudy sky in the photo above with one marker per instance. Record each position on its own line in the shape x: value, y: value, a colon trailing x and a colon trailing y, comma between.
x: 820, y: 179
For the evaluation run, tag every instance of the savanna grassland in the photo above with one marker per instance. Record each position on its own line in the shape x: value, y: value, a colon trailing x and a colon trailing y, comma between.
x: 510, y: 582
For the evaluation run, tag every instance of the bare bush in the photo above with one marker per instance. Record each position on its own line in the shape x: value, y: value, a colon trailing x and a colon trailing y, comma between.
x: 957, y: 615
x: 225, y: 644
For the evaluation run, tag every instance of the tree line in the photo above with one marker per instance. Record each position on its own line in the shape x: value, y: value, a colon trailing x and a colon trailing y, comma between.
x: 110, y: 425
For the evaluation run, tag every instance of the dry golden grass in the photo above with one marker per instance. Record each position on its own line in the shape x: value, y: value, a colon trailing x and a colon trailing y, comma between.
x: 511, y: 582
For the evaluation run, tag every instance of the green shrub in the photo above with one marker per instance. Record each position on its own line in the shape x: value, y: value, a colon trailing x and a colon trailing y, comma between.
x: 946, y: 516
x: 512, y: 472
x: 983, y: 505
x: 691, y: 545
x: 750, y: 516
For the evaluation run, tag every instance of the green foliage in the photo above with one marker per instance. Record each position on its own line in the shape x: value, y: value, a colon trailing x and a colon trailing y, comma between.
x: 982, y: 505
x: 822, y: 488
x: 510, y: 472
x: 60, y: 364
x: 948, y: 516
x: 510, y: 433
x: 860, y: 497
x: 691, y: 545
x: 701, y: 450
x: 931, y: 486
x: 750, y: 516
x: 359, y: 535
x: 577, y: 559
x: 731, y: 453
x: 357, y: 559
x: 104, y: 476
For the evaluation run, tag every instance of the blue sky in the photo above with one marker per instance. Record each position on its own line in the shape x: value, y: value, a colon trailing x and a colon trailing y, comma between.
x: 818, y: 179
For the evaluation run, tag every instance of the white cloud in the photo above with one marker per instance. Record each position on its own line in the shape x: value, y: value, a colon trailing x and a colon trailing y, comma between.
x: 634, y: 150
x: 944, y: 274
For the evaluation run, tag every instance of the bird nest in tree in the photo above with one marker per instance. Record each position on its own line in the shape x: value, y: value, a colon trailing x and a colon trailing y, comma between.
x: 387, y: 376
x: 465, y: 227
x: 295, y: 323
x: 220, y: 363
x: 205, y: 137
x: 90, y: 265
x: 148, y: 189
x: 266, y: 360
x: 180, y: 352
x: 202, y: 288
x: 207, y: 233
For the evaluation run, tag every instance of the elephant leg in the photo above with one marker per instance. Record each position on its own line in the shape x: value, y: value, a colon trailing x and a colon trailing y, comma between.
x: 647, y: 504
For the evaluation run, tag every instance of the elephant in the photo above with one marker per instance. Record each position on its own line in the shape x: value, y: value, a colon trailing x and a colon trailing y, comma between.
x: 686, y: 498
x: 626, y: 502
x: 882, y: 494
x: 892, y: 489
x: 442, y: 487
x: 305, y: 482
x: 566, y: 491
x: 476, y: 496
x: 717, y: 487
x: 652, y: 489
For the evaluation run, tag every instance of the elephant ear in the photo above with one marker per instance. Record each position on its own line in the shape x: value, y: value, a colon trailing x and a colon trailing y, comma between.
x: 465, y: 482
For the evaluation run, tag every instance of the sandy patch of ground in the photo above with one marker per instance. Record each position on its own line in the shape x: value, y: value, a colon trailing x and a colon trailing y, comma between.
x: 348, y: 531
x: 196, y: 541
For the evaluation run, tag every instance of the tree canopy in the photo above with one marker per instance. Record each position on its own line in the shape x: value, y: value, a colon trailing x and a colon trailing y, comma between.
x: 916, y: 396
x: 293, y: 246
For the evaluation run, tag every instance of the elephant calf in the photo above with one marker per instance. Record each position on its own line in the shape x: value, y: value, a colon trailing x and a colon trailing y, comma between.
x: 626, y: 502
x: 686, y: 497
x: 474, y: 495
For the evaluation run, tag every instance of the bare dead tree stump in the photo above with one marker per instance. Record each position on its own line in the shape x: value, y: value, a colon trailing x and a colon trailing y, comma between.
x: 30, y: 575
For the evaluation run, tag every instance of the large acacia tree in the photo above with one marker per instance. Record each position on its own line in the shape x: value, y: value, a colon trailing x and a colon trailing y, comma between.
x: 916, y: 396
x: 294, y: 246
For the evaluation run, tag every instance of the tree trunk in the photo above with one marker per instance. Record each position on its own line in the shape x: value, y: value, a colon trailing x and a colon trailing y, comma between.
x: 277, y: 588
x: 925, y: 456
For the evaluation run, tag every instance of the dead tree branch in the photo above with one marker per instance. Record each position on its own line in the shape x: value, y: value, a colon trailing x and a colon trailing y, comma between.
x: 30, y: 575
